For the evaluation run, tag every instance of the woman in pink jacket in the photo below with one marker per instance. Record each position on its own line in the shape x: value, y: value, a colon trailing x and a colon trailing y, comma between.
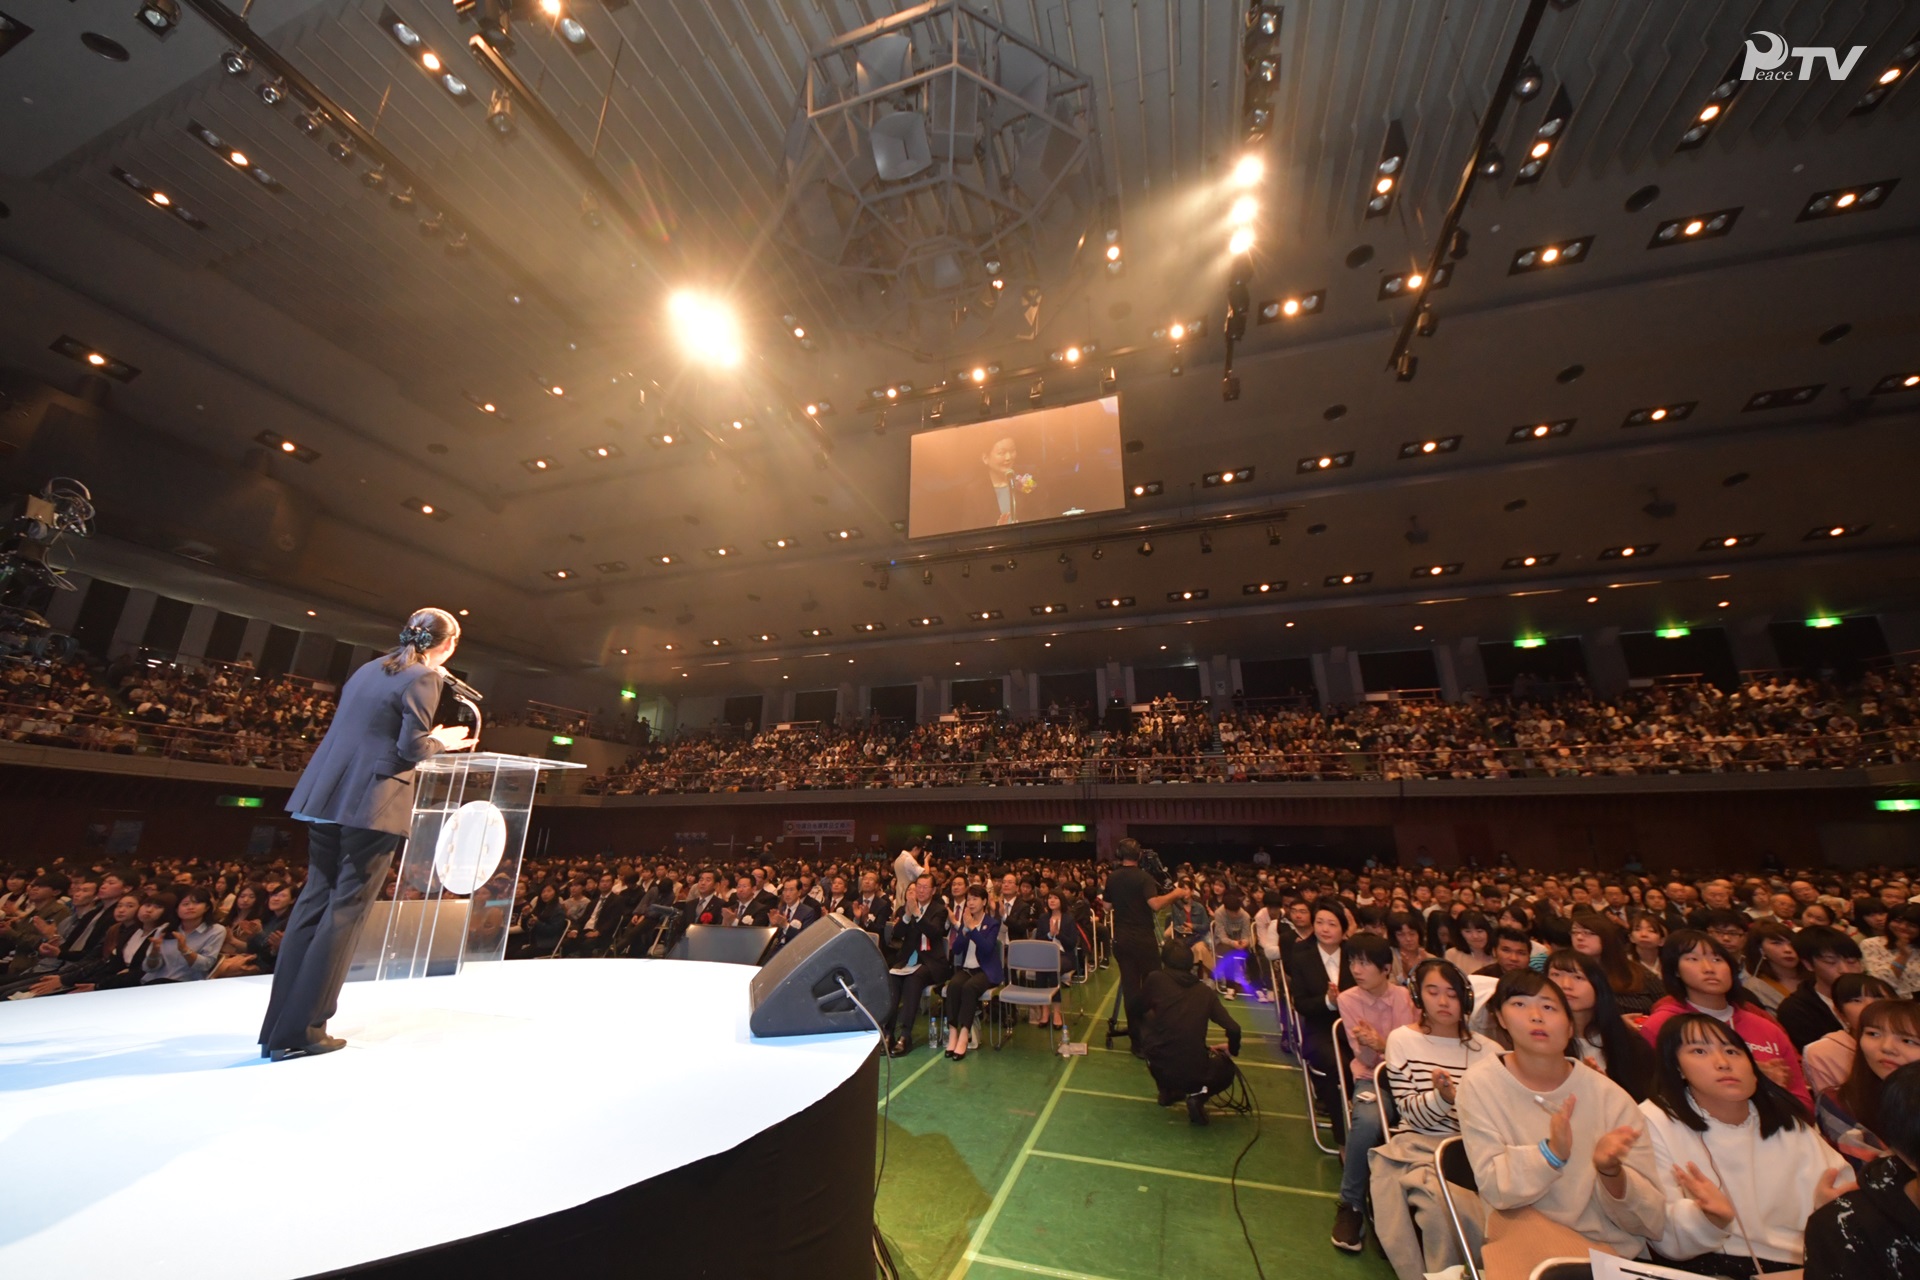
x: 1701, y: 977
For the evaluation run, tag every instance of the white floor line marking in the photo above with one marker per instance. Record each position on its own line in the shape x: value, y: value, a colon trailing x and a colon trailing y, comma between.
x: 900, y: 1088
x: 1019, y: 1162
x: 1035, y: 1269
x: 1134, y: 1097
x: 1181, y: 1173
x: 1266, y: 1066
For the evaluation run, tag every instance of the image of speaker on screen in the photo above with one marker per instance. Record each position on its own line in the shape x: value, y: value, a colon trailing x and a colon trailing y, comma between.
x: 1038, y: 466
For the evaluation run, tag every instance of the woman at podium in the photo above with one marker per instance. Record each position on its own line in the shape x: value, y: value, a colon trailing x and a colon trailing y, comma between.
x: 356, y: 795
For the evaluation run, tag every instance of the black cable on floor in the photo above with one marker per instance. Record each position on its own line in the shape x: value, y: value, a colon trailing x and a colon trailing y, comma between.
x: 882, y: 1256
x: 1233, y: 1178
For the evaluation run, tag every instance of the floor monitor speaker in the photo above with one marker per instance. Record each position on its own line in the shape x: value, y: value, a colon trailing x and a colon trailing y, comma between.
x: 799, y: 991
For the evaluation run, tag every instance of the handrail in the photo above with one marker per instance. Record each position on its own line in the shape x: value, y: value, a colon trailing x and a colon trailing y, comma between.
x: 124, y: 735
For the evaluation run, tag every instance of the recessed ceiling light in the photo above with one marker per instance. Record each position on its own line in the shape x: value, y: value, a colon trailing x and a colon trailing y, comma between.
x: 1559, y: 253
x: 1429, y: 448
x: 1653, y: 415
x: 1693, y: 227
x: 1324, y: 462
x: 1528, y: 432
x: 1864, y: 198
x: 1783, y: 397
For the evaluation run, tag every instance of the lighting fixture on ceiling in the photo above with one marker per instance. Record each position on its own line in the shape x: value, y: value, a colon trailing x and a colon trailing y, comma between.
x: 706, y: 328
x: 93, y: 358
x: 1658, y: 413
x: 601, y: 452
x: 236, y: 62
x: 664, y: 558
x: 425, y: 508
x: 1114, y: 602
x: 280, y: 444
x: 159, y: 16
x: 1290, y: 307
x: 1540, y: 257
x: 1783, y: 397
x: 1891, y: 77
x: 1387, y: 172
x: 563, y: 575
x: 1262, y: 588
x: 1186, y: 597
x: 1844, y: 200
x: 1348, y: 579
x: 231, y: 155
x: 500, y: 113
x: 1112, y: 255
x: 1214, y: 479
x: 611, y: 566
x: 1182, y: 331
x: 157, y: 198
x: 930, y: 620
x: 1429, y: 448
x: 1714, y: 110
x: 1829, y: 532
x: 1730, y: 542
x: 777, y: 544
x: 1697, y: 226
x: 1539, y: 560
x: 1491, y: 163
x: 1630, y: 551
x: 664, y: 439
x: 721, y: 553
x: 1437, y: 570
x: 1897, y: 382
x: 1148, y: 489
x: 718, y: 642
x: 842, y: 535
x: 1529, y: 432
x: 1546, y: 139
x: 1046, y: 610
x: 986, y: 615
x: 1527, y: 85
x: 869, y: 626
x: 1260, y: 56
x: 1146, y: 547
x: 1325, y: 462
x: 1401, y: 283
x: 1073, y: 353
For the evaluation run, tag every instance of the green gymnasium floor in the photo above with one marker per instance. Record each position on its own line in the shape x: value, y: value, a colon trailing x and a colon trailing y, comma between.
x: 1023, y: 1163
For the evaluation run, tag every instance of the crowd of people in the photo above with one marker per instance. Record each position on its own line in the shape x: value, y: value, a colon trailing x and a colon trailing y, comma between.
x: 229, y: 714
x: 1717, y: 1074
x: 222, y: 713
x: 1768, y: 724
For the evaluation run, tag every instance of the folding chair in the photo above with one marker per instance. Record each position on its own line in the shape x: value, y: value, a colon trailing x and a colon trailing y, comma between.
x: 1455, y: 1170
x: 1343, y: 1067
x: 1285, y: 1012
x: 1033, y: 980
x: 1389, y: 1105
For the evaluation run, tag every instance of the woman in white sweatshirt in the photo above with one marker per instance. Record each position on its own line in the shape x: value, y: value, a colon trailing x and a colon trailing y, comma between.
x: 1546, y: 1132
x: 1738, y: 1160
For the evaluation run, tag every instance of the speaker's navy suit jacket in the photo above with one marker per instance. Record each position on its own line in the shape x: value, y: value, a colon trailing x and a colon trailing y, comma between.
x: 361, y: 775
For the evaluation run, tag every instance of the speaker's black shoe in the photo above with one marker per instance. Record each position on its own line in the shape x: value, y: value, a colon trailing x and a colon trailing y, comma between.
x: 313, y: 1050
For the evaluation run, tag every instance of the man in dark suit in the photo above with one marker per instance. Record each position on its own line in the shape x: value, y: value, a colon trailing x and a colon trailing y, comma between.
x: 750, y: 906
x: 603, y: 918
x: 704, y: 904
x: 795, y: 912
x: 356, y: 797
x: 870, y: 908
x: 916, y: 938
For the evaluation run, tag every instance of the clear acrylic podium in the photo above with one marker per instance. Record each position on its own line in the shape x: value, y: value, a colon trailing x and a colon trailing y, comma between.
x: 452, y: 898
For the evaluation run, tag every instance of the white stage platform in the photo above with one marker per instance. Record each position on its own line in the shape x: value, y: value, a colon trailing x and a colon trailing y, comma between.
x: 145, y: 1135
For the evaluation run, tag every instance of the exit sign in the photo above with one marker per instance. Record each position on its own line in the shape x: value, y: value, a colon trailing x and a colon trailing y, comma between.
x: 241, y: 802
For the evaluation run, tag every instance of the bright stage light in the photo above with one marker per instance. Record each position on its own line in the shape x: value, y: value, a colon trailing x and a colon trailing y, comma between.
x: 1248, y: 170
x: 706, y: 328
x: 1240, y: 242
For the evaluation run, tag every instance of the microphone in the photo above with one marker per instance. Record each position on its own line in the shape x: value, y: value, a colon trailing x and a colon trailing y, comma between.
x: 460, y: 687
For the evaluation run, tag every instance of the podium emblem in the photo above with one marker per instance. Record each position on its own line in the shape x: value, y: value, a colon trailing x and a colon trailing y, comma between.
x: 470, y: 845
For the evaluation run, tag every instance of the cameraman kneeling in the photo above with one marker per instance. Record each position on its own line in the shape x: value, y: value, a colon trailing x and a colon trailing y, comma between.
x: 1179, y: 1007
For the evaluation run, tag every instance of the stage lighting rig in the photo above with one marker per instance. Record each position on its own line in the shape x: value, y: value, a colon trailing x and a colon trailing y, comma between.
x: 1387, y: 172
x: 159, y: 16
x: 1546, y: 139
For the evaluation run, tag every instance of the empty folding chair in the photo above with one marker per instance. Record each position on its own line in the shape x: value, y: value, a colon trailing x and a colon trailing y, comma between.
x: 1033, y: 981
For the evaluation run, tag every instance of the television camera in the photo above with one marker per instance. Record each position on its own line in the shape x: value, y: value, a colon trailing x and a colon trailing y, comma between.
x: 31, y: 526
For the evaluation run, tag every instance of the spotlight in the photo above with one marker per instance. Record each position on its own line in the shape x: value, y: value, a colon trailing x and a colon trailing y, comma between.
x: 1699, y: 226
x: 1386, y: 173
x: 1714, y: 110
x: 236, y: 62
x: 1491, y: 164
x: 705, y: 328
x: 1783, y: 397
x: 1146, y: 547
x: 272, y: 92
x: 159, y: 16
x: 341, y: 149
x: 1545, y: 138
x: 1248, y: 170
x: 1230, y: 387
x: 572, y: 32
x: 309, y: 123
x: 1531, y: 431
x: 1903, y: 66
x: 430, y: 60
x: 1324, y: 462
x: 1405, y: 366
x: 1527, y: 85
x: 1240, y: 242
x: 1541, y: 256
x: 500, y: 113
x: 1841, y: 200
